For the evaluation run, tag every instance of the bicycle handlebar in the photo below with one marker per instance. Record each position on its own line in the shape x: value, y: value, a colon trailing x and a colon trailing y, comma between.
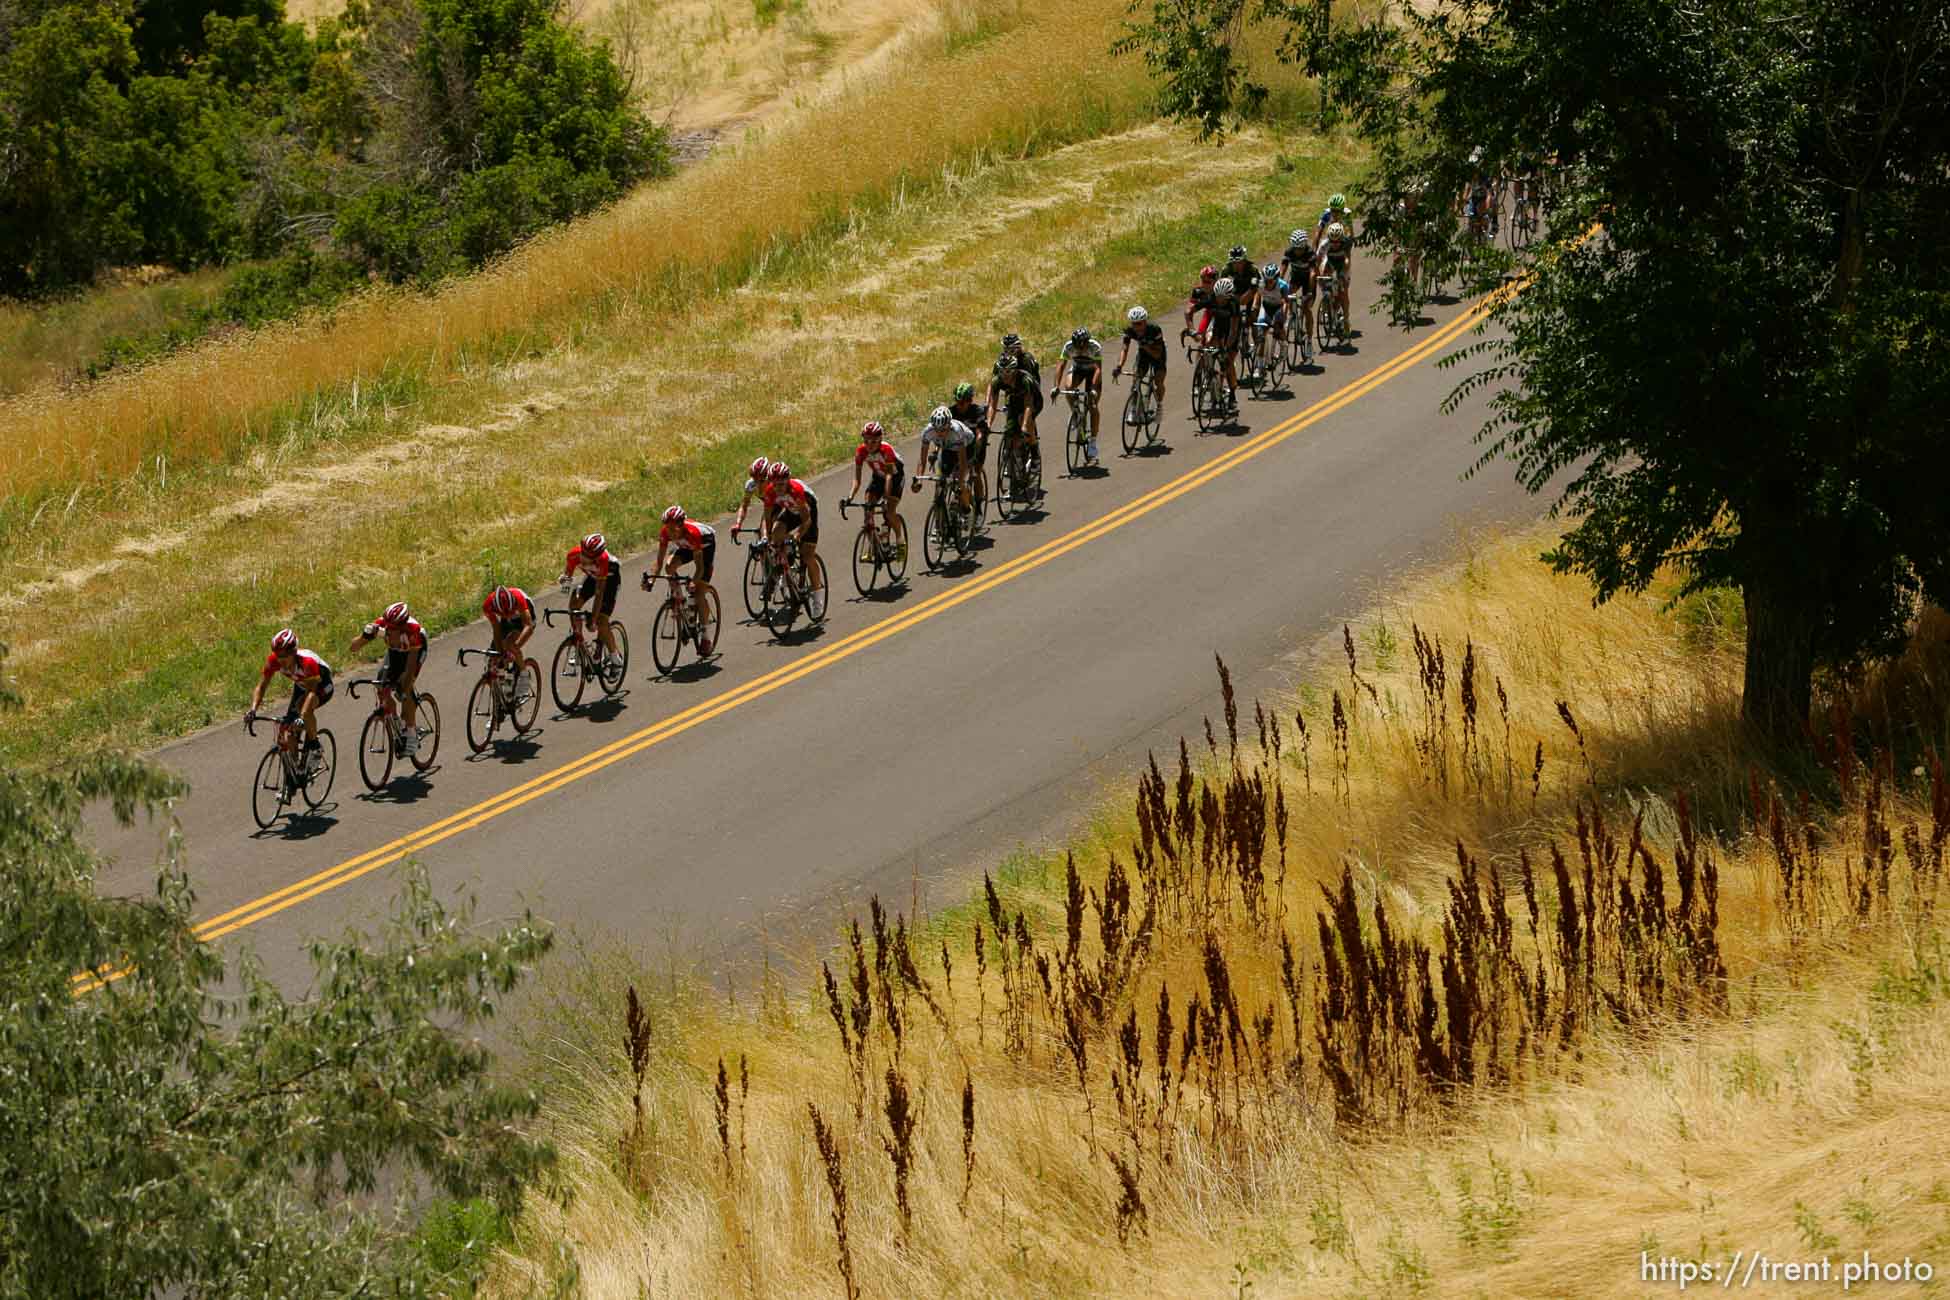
x: 352, y: 685
x: 548, y: 615
x: 490, y: 652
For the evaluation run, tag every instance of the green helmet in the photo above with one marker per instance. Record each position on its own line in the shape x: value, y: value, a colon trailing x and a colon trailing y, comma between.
x: 1338, y: 202
x: 964, y: 391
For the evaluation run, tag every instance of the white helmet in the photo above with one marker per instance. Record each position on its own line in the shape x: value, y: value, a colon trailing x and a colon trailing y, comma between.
x: 1337, y: 231
x: 939, y: 417
x: 1137, y: 315
x: 1224, y: 287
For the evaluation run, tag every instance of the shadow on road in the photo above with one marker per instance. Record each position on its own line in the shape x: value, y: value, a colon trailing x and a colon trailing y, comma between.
x: 402, y: 789
x: 301, y: 826
x: 518, y: 750
x: 697, y: 670
x: 605, y: 710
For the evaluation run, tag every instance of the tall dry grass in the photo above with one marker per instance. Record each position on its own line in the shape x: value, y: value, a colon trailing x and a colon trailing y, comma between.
x: 1326, y: 941
x: 712, y: 226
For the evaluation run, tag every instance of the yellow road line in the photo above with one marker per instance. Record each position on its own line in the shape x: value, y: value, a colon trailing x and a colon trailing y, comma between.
x: 351, y: 869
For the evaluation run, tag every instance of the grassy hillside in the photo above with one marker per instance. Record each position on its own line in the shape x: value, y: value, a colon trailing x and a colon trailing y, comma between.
x: 1484, y: 963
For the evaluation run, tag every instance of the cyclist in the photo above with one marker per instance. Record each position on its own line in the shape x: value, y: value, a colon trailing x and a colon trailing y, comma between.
x: 1336, y: 213
x: 1019, y: 396
x: 686, y: 540
x: 963, y: 408
x: 755, y: 480
x: 1475, y: 201
x: 511, y: 621
x: 1150, y: 341
x: 1337, y: 255
x: 889, y: 471
x: 1297, y: 268
x: 1241, y: 269
x: 406, y: 650
x: 1012, y: 347
x: 1083, y: 361
x: 1199, y: 302
x: 1223, y: 321
x: 311, y: 686
x: 791, y: 507
x: 954, y: 439
x: 1272, y: 299
x: 602, y: 578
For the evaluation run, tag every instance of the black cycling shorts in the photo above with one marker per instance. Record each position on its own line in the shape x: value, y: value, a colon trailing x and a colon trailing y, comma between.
x: 707, y: 561
x: 508, y: 628
x: 879, y: 487
x: 298, y: 692
x: 397, y: 660
x: 789, y: 521
x: 1146, y: 362
x: 611, y: 585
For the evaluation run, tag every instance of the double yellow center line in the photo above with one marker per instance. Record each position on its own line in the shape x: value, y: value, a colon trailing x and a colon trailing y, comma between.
x: 656, y: 733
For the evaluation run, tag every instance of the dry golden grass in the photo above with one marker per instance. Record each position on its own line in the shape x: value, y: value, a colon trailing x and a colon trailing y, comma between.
x: 1092, y: 1177
x: 666, y: 245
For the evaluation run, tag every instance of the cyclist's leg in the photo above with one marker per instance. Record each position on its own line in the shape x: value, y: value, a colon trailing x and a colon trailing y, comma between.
x: 406, y: 678
x: 606, y: 606
x: 1096, y: 386
x: 809, y: 539
x: 304, y: 703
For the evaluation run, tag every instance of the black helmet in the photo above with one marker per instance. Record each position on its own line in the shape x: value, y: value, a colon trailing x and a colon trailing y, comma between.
x: 1011, y: 341
x: 1238, y: 252
x: 1080, y: 335
x: 1006, y: 362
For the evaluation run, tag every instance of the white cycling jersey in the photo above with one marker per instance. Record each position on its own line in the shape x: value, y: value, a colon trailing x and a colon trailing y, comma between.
x: 956, y: 434
x: 1090, y: 355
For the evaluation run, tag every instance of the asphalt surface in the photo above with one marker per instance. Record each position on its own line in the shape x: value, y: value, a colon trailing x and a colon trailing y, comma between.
x: 912, y: 741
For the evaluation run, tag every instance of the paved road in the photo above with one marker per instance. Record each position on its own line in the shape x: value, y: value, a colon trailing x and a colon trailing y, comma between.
x: 911, y: 741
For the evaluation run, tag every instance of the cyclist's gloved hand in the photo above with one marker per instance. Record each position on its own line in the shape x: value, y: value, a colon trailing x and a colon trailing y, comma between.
x: 564, y: 584
x: 371, y: 630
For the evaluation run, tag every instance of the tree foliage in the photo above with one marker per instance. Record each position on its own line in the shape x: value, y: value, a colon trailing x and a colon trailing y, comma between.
x: 1742, y: 371
x: 211, y: 131
x: 191, y: 1129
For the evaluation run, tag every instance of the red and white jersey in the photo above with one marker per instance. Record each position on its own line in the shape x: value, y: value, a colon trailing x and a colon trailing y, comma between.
x: 597, y: 564
x: 880, y: 458
x: 689, y: 534
x: 791, y: 495
x: 523, y: 606
x: 407, y: 636
x: 304, y: 667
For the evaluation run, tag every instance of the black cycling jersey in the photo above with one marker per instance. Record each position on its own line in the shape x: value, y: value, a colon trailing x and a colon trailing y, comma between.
x: 1244, y: 275
x: 1025, y: 362
x: 1150, y: 340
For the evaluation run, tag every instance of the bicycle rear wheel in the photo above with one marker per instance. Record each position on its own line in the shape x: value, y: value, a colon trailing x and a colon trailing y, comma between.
x: 376, y: 751
x: 667, y: 636
x: 897, y: 552
x: 566, y: 679
x: 319, y: 783
x: 758, y: 592
x: 612, y: 673
x: 267, y: 796
x: 427, y: 718
x: 483, y: 714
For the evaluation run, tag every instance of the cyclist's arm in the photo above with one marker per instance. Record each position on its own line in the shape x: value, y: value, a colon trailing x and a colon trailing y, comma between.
x: 257, y: 696
x: 744, y: 504
x: 1125, y: 355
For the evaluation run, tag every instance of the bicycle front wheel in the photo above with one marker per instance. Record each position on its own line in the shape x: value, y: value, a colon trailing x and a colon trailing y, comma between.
x: 427, y: 718
x: 483, y: 714
x: 758, y: 592
x: 613, y: 671
x: 667, y: 637
x: 565, y: 675
x: 1073, y: 443
x: 934, y: 536
x: 267, y: 796
x: 1010, y: 496
x: 815, y: 592
x: 376, y: 751
x: 319, y: 783
x: 1133, y: 416
x: 866, y: 561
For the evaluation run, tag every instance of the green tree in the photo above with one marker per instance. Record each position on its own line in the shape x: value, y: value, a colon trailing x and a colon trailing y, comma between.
x: 175, y: 1130
x: 1743, y: 370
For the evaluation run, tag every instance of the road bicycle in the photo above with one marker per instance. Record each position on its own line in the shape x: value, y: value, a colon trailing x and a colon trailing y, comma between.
x: 284, y: 775
x: 761, y: 575
x: 1141, y: 415
x: 1265, y: 359
x: 504, y: 693
x: 1333, y: 318
x: 1523, y: 218
x: 876, y: 550
x: 1210, y: 406
x: 383, y: 738
x: 949, y: 527
x: 1018, y: 475
x: 677, y: 623
x: 1299, y: 347
x: 582, y: 656
x: 799, y: 590
x: 1076, y: 439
